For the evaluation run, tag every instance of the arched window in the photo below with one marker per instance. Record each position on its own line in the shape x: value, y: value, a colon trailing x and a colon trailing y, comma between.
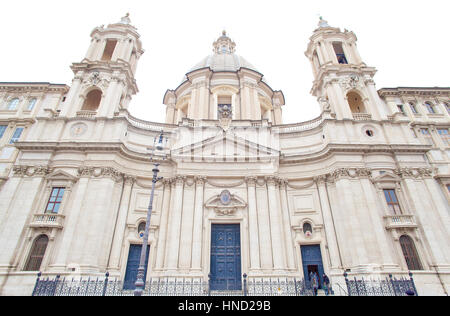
x: 356, y: 103
x: 340, y: 55
x: 37, y: 253
x: 31, y: 104
x: 413, y: 108
x: 430, y: 108
x: 92, y: 101
x: 447, y: 107
x: 410, y: 253
x: 13, y: 103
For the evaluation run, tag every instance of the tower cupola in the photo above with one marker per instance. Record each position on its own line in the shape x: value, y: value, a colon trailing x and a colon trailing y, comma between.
x: 343, y: 83
x: 104, y: 81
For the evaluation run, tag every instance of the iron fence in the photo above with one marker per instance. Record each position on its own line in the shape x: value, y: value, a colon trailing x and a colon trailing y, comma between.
x: 198, y: 287
x: 382, y: 287
x: 170, y: 287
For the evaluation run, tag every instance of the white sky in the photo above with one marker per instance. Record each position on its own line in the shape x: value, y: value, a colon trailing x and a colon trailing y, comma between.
x: 407, y: 41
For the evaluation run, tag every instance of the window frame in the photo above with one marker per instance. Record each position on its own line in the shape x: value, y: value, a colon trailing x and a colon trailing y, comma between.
x: 413, y: 108
x: 393, y: 206
x: 3, y: 129
x: 15, y: 103
x: 445, y: 137
x: 34, y: 256
x: 31, y: 103
x: 410, y: 253
x: 57, y: 200
x: 15, y: 138
x: 430, y: 108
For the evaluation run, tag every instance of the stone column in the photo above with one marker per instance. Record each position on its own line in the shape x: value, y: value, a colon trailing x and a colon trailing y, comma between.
x: 119, y: 233
x: 275, y: 226
x: 162, y: 234
x: 187, y: 225
x: 70, y: 106
x: 175, y: 225
x: 287, y: 225
x: 253, y: 224
x: 196, y: 263
x: 330, y: 231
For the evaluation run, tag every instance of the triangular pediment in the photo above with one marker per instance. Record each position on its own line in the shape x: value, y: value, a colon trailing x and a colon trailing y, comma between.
x: 62, y: 175
x: 226, y: 146
x: 386, y: 177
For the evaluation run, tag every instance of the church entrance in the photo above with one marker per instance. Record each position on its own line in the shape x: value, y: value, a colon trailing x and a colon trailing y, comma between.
x: 134, y: 256
x: 312, y: 262
x: 225, y: 257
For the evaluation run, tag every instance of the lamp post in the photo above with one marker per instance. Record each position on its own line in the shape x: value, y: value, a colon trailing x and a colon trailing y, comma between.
x: 140, y: 282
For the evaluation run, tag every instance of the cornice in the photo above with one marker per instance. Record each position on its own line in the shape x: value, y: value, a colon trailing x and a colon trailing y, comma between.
x: 332, y: 148
x: 118, y: 147
x: 14, y: 87
x: 414, y: 91
x: 361, y: 173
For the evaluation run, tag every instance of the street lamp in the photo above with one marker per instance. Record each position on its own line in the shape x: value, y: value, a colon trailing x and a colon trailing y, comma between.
x: 140, y: 282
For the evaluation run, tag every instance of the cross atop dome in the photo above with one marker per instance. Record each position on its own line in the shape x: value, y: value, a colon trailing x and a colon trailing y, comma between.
x: 224, y: 44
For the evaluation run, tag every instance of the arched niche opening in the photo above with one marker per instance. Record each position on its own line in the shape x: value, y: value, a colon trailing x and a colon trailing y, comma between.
x: 92, y: 101
x: 356, y: 102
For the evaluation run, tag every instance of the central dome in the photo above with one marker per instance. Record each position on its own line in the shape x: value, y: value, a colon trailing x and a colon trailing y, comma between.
x: 224, y: 58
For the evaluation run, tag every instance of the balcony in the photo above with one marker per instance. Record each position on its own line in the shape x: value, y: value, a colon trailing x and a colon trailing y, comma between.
x: 399, y: 221
x: 362, y: 116
x: 86, y: 114
x: 47, y: 221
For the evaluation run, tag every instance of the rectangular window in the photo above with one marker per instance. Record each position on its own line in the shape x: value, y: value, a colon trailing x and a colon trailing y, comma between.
x: 392, y: 201
x: 2, y: 130
x: 400, y: 108
x: 427, y: 136
x: 443, y: 132
x: 413, y: 108
x: 16, y: 135
x: 54, y: 202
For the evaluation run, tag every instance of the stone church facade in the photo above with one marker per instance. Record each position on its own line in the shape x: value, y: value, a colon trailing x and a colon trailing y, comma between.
x: 362, y: 189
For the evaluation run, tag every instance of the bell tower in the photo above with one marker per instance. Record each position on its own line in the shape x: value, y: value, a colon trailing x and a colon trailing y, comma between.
x: 104, y: 81
x: 343, y: 83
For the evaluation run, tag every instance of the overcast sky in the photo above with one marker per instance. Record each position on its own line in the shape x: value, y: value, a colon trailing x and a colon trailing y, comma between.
x: 407, y: 41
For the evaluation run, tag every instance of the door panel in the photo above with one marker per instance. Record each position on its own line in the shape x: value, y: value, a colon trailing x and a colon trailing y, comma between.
x: 225, y: 257
x: 312, y: 261
x: 134, y: 256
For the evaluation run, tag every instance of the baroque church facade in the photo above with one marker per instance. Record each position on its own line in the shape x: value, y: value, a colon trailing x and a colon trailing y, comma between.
x: 361, y: 189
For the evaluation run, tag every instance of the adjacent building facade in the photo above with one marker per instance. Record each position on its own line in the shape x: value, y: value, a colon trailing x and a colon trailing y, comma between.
x: 362, y: 189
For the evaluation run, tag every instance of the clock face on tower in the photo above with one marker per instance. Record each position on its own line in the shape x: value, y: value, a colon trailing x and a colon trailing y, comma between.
x: 78, y: 129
